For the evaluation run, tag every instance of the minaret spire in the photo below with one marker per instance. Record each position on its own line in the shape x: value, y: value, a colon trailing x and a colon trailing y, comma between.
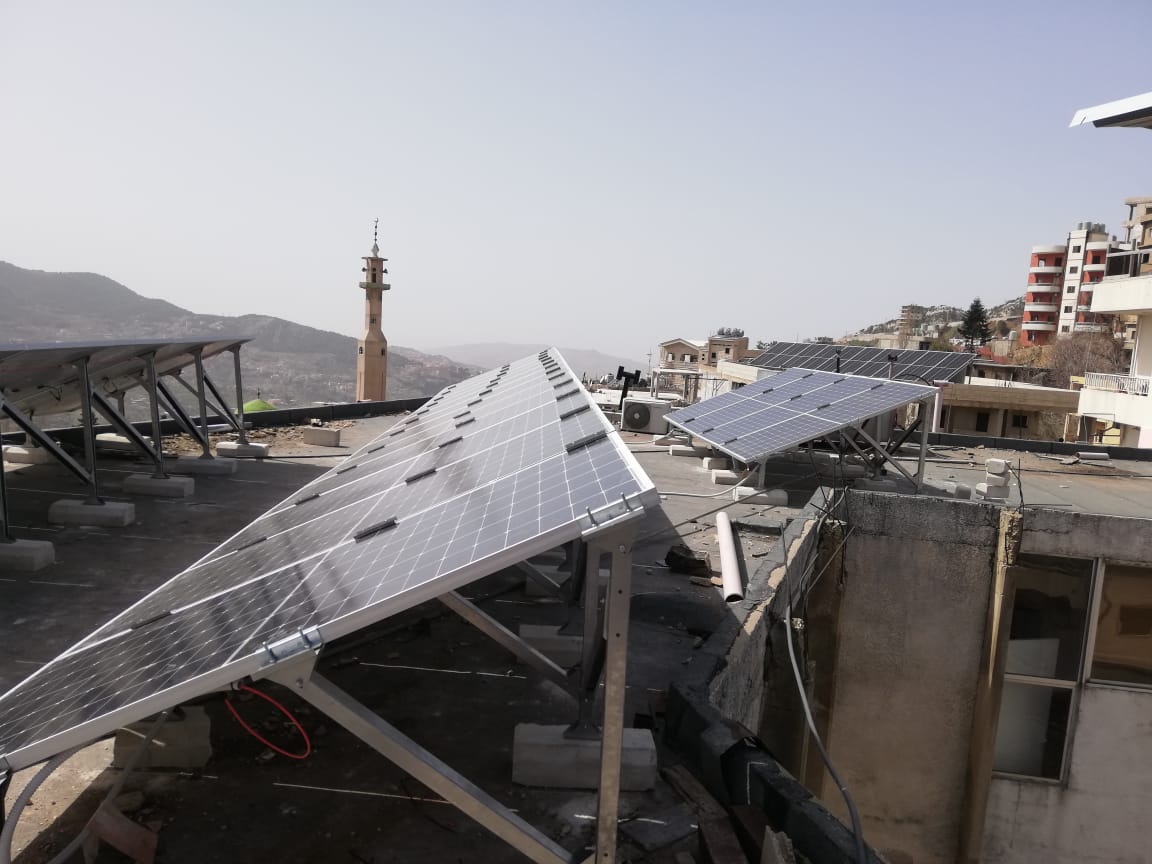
x: 372, y: 357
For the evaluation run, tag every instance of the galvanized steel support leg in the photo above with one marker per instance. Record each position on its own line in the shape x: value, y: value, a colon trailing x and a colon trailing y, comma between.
x: 592, y: 648
x: 241, y: 435
x: 224, y: 412
x: 924, y: 409
x: 33, y: 431
x: 203, y: 400
x: 89, y: 433
x: 617, y: 606
x: 127, y: 429
x: 179, y: 414
x: 5, y: 534
x: 154, y: 406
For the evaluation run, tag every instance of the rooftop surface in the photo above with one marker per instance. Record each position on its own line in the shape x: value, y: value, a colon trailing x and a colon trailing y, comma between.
x: 426, y: 671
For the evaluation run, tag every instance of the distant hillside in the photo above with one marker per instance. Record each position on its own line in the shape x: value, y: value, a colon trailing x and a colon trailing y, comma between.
x: 584, y: 361
x: 288, y: 363
x: 938, y: 316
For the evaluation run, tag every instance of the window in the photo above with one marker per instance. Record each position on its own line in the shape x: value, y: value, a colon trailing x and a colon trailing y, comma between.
x: 1096, y: 259
x: 371, y: 319
x: 982, y: 421
x: 1122, y: 653
x: 361, y: 351
x: 1074, y: 269
x: 1064, y: 329
x: 1075, y: 249
x: 1059, y: 261
x: 1067, y: 308
x: 671, y: 357
x: 1042, y: 669
x: 713, y: 355
x: 1019, y: 421
x: 1042, y: 262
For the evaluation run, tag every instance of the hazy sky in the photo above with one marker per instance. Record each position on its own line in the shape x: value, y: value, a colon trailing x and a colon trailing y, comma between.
x: 605, y: 175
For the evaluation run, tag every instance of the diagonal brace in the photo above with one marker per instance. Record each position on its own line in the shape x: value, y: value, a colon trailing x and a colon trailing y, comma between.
x: 492, y: 628
x: 33, y: 431
x: 127, y: 429
x: 413, y: 759
x: 887, y: 456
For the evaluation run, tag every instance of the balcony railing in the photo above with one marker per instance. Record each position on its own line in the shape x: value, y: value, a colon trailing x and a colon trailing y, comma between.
x: 1132, y: 384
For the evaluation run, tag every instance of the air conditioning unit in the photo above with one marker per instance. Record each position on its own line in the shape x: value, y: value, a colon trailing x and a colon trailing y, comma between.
x: 642, y: 414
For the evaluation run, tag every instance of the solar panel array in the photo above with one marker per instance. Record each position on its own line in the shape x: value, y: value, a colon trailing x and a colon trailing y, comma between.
x: 871, y: 362
x: 789, y: 409
x: 489, y: 472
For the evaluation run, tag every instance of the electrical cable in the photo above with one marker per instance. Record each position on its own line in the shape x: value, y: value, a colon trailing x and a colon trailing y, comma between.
x: 291, y: 717
x: 24, y: 797
x: 68, y: 851
x: 857, y: 831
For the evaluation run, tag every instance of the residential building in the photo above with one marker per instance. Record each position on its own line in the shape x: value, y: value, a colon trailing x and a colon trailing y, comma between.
x: 1123, y: 401
x: 1061, y: 279
x: 1006, y: 409
x: 682, y: 353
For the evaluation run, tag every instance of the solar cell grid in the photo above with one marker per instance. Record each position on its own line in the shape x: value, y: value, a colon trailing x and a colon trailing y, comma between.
x: 861, y: 360
x: 534, y: 471
x: 788, y: 409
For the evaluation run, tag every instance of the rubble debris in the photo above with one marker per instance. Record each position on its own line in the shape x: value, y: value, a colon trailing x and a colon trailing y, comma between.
x: 682, y: 559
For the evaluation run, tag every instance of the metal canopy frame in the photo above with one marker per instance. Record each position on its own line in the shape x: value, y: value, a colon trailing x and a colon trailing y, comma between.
x: 104, y: 372
x: 610, y: 642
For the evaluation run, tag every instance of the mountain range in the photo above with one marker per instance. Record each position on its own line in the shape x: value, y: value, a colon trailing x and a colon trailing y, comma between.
x: 287, y: 364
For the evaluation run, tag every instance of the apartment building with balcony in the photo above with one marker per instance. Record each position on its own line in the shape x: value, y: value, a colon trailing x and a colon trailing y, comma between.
x: 1124, y: 401
x: 1061, y: 279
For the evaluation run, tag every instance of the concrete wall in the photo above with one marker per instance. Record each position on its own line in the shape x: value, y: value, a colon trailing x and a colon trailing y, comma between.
x: 1102, y: 815
x: 915, y: 588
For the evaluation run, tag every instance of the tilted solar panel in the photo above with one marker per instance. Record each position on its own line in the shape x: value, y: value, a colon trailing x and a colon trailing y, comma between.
x: 791, y: 408
x: 489, y: 472
x: 927, y: 366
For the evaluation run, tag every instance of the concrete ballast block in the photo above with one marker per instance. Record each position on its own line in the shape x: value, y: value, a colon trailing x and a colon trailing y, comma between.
x: 110, y: 514
x: 996, y: 466
x: 112, y: 441
x: 236, y: 450
x: 542, y: 756
x: 321, y: 436
x: 183, y: 742
x: 682, y: 450
x: 986, y: 491
x: 162, y: 487
x: 725, y: 478
x: 995, y: 479
x: 201, y: 466
x: 560, y: 648
x: 722, y: 463
x: 18, y: 455
x: 775, y: 497
x: 26, y: 556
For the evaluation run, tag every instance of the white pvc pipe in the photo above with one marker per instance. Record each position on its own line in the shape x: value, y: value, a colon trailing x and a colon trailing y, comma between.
x: 729, y: 563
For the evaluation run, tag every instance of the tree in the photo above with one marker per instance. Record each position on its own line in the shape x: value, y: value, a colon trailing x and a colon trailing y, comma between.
x: 974, y: 328
x: 1081, y: 353
x: 761, y: 345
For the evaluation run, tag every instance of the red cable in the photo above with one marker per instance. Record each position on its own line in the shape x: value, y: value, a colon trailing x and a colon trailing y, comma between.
x: 261, y: 738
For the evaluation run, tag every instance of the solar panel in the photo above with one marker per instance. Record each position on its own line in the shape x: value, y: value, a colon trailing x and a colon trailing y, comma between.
x: 788, y: 409
x: 41, y: 378
x: 927, y: 366
x: 491, y: 471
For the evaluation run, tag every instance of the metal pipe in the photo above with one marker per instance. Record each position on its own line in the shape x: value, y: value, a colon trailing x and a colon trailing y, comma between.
x: 89, y: 433
x: 241, y: 436
x: 5, y: 534
x: 729, y: 564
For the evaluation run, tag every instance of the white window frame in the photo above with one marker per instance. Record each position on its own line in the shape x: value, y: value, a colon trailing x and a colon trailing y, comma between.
x: 1097, y: 599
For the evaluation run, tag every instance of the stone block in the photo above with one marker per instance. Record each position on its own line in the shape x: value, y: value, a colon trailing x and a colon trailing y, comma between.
x: 19, y: 455
x: 561, y: 649
x: 542, y: 756
x: 996, y: 466
x: 962, y: 491
x: 995, y: 479
x: 162, y: 487
x: 321, y: 436
x: 665, y: 439
x: 182, y: 742
x: 986, y: 491
x: 682, y: 450
x: 773, y: 497
x: 26, y: 556
x: 118, y: 443
x: 725, y: 478
x: 201, y: 466
x: 110, y: 514
x: 236, y: 450
x: 716, y: 463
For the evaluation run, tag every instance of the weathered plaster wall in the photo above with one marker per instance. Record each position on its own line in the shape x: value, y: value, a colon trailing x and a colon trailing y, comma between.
x: 1102, y: 815
x: 915, y: 588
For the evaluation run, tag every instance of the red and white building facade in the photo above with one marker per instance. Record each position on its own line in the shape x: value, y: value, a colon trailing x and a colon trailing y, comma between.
x: 1061, y: 280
